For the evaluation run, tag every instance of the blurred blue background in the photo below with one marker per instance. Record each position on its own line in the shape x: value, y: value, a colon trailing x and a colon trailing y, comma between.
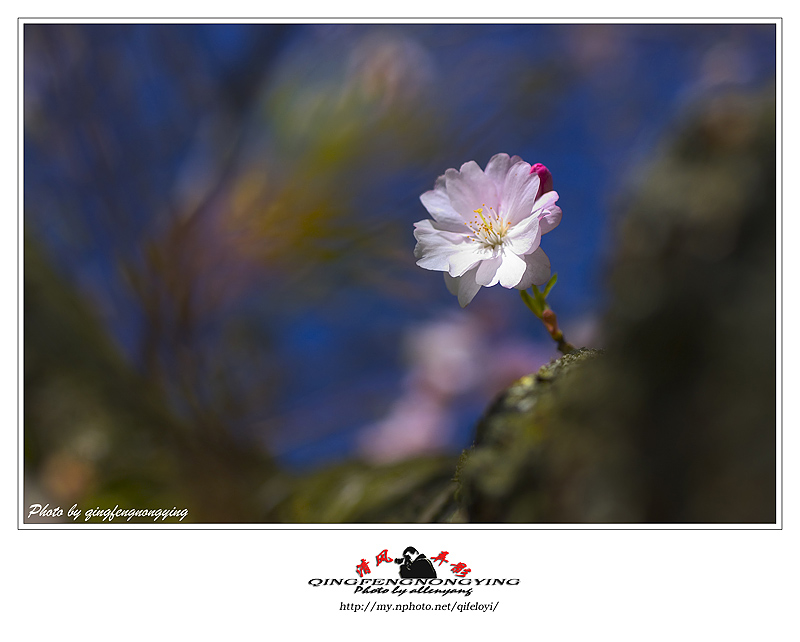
x: 234, y: 206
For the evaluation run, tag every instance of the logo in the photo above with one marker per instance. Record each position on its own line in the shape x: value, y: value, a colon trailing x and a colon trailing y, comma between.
x: 413, y: 574
x: 414, y: 564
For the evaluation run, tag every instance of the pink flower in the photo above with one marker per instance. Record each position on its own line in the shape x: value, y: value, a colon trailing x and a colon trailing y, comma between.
x: 545, y: 178
x: 487, y: 226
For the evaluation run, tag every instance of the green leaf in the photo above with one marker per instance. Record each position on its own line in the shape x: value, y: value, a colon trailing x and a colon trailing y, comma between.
x: 535, y: 304
x: 539, y: 296
x: 550, y: 284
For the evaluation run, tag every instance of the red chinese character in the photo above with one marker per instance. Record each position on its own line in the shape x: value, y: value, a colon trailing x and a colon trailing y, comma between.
x: 363, y: 568
x: 460, y: 569
x: 441, y: 557
x: 382, y: 557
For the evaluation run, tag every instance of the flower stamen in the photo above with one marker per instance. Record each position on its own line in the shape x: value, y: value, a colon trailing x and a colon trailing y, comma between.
x: 483, y: 229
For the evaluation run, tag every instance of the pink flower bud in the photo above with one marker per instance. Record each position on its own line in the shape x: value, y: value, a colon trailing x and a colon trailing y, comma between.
x: 545, y: 179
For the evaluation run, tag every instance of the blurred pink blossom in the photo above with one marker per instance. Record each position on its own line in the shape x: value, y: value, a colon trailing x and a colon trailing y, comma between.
x: 451, y: 360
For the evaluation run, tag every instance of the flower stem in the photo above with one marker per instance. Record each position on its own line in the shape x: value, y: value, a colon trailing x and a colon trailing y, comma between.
x: 538, y: 305
x: 551, y: 323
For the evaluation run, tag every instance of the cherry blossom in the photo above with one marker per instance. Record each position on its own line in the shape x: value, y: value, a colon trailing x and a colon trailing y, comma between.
x: 487, y: 226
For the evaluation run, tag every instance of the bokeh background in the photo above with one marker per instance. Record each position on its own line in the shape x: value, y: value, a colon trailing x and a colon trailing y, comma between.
x: 221, y: 304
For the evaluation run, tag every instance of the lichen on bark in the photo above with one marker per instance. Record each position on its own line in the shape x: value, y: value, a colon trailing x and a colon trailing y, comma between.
x: 676, y: 421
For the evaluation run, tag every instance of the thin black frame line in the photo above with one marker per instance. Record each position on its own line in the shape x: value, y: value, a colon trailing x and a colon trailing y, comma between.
x: 781, y: 271
x: 379, y: 20
x: 21, y: 525
x: 20, y: 464
x: 399, y: 527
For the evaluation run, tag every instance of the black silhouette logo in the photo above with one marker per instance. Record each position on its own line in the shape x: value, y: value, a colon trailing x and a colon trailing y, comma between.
x: 415, y: 564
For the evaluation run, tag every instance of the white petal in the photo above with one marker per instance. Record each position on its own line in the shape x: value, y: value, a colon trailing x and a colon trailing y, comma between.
x: 464, y: 286
x: 524, y: 237
x: 487, y: 271
x: 470, y: 189
x: 511, y: 270
x: 519, y: 193
x: 428, y: 228
x: 463, y: 260
x: 452, y: 282
x: 437, y: 202
x: 435, y: 262
x: 537, y: 270
x: 435, y: 247
x: 546, y: 200
x: 497, y: 169
x: 549, y: 219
